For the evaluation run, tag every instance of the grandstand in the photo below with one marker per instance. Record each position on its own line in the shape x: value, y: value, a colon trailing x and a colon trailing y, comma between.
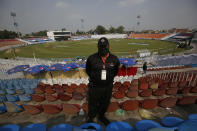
x: 59, y: 35
x: 148, y: 36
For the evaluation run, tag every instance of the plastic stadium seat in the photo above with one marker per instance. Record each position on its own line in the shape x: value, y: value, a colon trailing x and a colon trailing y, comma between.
x: 188, y: 125
x: 144, y: 125
x: 20, y: 91
x: 3, y: 98
x: 32, y: 109
x: 132, y: 93
x: 119, y: 126
x: 154, y: 86
x: 119, y: 95
x: 130, y: 105
x: 159, y: 92
x: 51, y: 109
x: 80, y: 89
x: 192, y: 117
x: 146, y: 93
x: 34, y: 127
x: 61, y: 127
x: 168, y: 102
x: 149, y: 103
x: 85, y: 107
x: 70, y: 108
x: 49, y: 90
x: 9, y: 127
x: 51, y: 98
x: 2, y: 109
x: 64, y: 97
x: 59, y: 90
x: 25, y: 98
x: 77, y: 96
x: 69, y: 90
x: 143, y: 86
x: 38, y: 98
x: 171, y: 121
x: 163, y: 129
x: 13, y: 107
x: 193, y: 90
x: 10, y: 91
x: 2, y: 92
x: 29, y: 91
x: 172, y: 91
x: 95, y: 126
x: 187, y: 100
x: 12, y: 98
x: 113, y: 106
x: 39, y: 90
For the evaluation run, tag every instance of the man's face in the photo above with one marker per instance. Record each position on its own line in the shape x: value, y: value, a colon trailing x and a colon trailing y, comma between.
x: 103, y: 49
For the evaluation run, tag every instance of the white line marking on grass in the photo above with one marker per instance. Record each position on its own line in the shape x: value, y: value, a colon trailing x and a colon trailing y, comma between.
x: 122, y: 52
x: 137, y: 44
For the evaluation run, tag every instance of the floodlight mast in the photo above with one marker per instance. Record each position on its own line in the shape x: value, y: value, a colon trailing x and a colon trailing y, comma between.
x: 138, y: 22
x: 13, y: 14
x: 82, y: 25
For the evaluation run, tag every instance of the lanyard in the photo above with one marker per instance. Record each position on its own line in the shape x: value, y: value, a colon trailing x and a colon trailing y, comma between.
x: 104, y: 59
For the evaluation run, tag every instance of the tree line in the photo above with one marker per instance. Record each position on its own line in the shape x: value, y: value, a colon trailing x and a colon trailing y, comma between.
x: 102, y: 30
x: 5, y: 34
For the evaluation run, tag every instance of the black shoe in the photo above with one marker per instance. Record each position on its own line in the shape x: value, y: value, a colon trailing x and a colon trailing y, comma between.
x: 104, y: 120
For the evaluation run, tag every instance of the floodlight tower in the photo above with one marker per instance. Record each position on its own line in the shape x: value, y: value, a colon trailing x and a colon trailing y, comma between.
x: 82, y: 25
x: 138, y: 22
x: 13, y: 14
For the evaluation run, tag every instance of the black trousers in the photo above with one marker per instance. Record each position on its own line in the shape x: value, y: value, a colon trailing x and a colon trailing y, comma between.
x: 98, y: 99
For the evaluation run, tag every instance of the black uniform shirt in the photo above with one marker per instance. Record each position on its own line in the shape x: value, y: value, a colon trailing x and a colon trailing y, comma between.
x: 94, y: 67
x: 144, y: 67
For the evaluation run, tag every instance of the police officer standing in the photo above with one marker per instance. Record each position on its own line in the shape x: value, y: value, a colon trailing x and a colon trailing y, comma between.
x: 101, y: 68
x: 145, y: 67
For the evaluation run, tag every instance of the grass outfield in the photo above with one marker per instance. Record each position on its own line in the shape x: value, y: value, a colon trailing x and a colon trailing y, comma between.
x: 70, y: 49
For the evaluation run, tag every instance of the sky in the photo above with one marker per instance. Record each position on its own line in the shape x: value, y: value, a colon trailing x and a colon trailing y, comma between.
x: 36, y: 15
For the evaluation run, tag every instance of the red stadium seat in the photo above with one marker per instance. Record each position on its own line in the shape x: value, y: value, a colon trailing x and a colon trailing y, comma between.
x: 149, y: 103
x: 130, y: 105
x: 113, y: 106
x: 51, y: 109
x: 33, y: 109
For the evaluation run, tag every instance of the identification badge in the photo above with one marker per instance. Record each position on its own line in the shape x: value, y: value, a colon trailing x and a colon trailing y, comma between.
x: 103, y: 75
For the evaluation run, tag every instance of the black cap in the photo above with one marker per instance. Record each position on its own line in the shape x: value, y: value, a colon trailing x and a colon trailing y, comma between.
x: 103, y: 41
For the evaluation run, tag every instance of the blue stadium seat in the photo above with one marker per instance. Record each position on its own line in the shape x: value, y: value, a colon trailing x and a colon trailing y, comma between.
x: 2, y: 109
x: 171, y: 121
x: 10, y: 91
x: 9, y: 127
x: 21, y: 91
x: 91, y: 127
x: 62, y: 127
x: 12, y: 98
x: 163, y: 129
x: 34, y: 127
x: 192, y: 117
x: 25, y: 98
x: 144, y: 125
x: 119, y: 126
x: 29, y: 91
x: 3, y: 98
x: 18, y: 87
x: 2, y: 92
x: 188, y: 125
